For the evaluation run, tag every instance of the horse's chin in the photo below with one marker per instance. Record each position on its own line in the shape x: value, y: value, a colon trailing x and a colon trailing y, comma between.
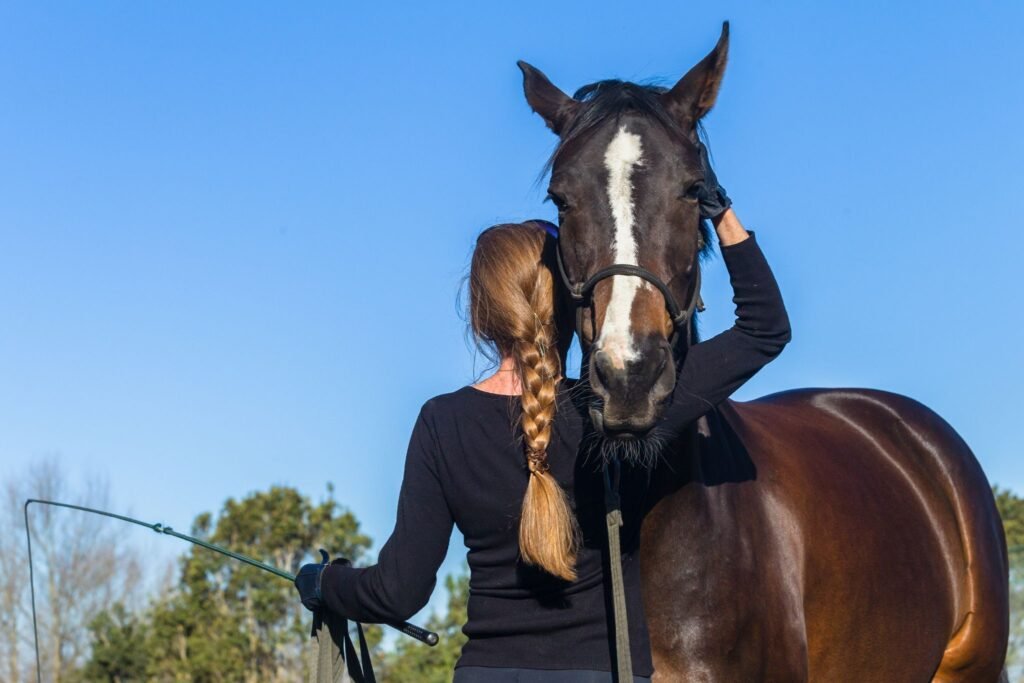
x: 640, y: 448
x: 622, y: 430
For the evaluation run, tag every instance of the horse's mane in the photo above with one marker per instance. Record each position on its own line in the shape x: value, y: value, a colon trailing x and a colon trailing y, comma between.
x: 609, y: 99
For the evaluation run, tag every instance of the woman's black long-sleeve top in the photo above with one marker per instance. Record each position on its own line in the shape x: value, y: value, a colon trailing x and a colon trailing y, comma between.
x: 465, y: 466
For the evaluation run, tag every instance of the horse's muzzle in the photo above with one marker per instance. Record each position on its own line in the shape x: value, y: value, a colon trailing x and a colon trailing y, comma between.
x: 632, y: 392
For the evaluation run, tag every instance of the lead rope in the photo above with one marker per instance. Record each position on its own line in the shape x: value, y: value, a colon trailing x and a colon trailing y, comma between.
x: 613, y: 522
x: 334, y: 661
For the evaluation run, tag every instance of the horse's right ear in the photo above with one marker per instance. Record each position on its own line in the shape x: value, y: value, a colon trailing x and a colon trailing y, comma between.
x: 554, y: 106
x: 695, y: 93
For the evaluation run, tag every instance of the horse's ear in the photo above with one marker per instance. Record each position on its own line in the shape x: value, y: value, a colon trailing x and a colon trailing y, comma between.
x: 695, y: 93
x: 554, y: 106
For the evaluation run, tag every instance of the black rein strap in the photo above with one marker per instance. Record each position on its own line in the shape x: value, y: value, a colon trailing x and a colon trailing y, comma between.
x: 613, y: 523
x: 331, y: 633
x: 582, y: 292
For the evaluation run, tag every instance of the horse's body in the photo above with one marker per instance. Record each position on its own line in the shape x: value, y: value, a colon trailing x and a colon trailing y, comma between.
x: 826, y: 535
x: 815, y: 535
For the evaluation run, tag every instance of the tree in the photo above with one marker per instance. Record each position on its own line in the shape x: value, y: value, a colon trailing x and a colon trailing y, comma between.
x: 119, y: 653
x: 81, y: 567
x: 225, y: 620
x: 1011, y: 509
x: 412, y: 661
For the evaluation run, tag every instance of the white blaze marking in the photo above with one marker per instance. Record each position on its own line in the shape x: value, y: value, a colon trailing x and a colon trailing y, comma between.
x: 624, y: 153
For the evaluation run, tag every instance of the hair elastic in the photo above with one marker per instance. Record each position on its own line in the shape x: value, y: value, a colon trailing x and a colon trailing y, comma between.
x: 550, y: 227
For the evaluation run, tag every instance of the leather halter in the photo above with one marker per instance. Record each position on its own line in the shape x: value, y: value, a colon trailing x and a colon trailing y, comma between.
x: 582, y: 292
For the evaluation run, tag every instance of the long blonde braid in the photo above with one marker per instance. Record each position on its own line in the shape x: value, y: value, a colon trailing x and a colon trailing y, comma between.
x: 548, y: 532
x: 512, y: 307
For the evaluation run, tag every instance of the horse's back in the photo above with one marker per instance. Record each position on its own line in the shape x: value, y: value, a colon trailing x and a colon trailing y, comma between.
x: 903, y: 556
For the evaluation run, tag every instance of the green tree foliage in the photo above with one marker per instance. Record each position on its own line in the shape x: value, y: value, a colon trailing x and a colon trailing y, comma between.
x: 229, y: 617
x: 228, y: 621
x: 1011, y: 509
x: 411, y: 661
x: 119, y: 651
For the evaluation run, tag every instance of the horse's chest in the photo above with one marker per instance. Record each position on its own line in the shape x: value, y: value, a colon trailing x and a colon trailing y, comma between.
x: 716, y: 579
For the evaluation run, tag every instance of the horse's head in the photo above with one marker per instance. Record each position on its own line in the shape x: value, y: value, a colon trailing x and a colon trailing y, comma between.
x: 623, y: 180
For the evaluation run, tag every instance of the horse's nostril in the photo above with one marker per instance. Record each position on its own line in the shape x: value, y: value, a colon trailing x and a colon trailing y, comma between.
x: 602, y: 368
x: 610, y: 373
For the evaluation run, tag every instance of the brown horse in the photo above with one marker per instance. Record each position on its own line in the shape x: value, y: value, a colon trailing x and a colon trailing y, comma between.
x: 813, y: 535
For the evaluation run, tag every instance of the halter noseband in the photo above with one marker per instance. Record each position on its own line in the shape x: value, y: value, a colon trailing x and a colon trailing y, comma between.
x: 582, y: 292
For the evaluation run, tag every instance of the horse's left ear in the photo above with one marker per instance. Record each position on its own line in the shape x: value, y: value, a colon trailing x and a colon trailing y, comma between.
x: 554, y: 106
x: 695, y: 93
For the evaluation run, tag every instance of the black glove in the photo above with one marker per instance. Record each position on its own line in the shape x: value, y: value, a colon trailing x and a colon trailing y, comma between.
x: 307, y: 581
x: 711, y: 196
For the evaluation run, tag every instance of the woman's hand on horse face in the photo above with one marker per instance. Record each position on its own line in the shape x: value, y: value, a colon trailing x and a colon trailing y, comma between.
x: 715, y: 204
x: 711, y: 197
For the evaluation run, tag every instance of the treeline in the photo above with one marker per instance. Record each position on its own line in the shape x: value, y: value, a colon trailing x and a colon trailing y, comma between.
x: 228, y: 621
x: 1011, y: 509
x: 215, y: 619
x: 224, y: 620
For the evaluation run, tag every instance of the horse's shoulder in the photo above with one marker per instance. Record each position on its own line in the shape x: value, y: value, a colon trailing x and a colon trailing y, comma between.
x: 831, y: 399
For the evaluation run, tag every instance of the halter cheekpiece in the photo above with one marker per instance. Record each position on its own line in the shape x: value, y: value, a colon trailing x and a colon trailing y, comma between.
x: 582, y: 292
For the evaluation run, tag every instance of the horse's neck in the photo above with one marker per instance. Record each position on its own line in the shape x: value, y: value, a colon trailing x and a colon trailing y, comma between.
x: 706, y: 455
x: 696, y: 491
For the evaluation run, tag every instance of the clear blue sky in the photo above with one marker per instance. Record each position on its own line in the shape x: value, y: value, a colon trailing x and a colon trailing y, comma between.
x: 231, y: 236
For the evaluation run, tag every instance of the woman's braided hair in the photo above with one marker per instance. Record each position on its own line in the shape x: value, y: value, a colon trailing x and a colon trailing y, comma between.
x: 512, y: 309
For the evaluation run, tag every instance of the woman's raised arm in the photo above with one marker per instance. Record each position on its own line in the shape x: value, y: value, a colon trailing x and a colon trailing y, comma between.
x: 713, y: 369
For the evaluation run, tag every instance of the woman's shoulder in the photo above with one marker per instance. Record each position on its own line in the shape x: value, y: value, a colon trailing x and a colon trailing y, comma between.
x: 470, y: 399
x: 482, y: 416
x: 457, y: 401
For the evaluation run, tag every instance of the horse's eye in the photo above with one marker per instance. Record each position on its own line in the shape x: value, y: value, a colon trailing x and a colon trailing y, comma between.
x: 693, y: 191
x: 559, y: 202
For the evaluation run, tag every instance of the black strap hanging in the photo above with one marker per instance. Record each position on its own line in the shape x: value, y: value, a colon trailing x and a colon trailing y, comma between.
x: 336, y: 658
x: 613, y: 523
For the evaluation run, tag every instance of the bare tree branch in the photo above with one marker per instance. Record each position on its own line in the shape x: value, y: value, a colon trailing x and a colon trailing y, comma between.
x: 82, y: 567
